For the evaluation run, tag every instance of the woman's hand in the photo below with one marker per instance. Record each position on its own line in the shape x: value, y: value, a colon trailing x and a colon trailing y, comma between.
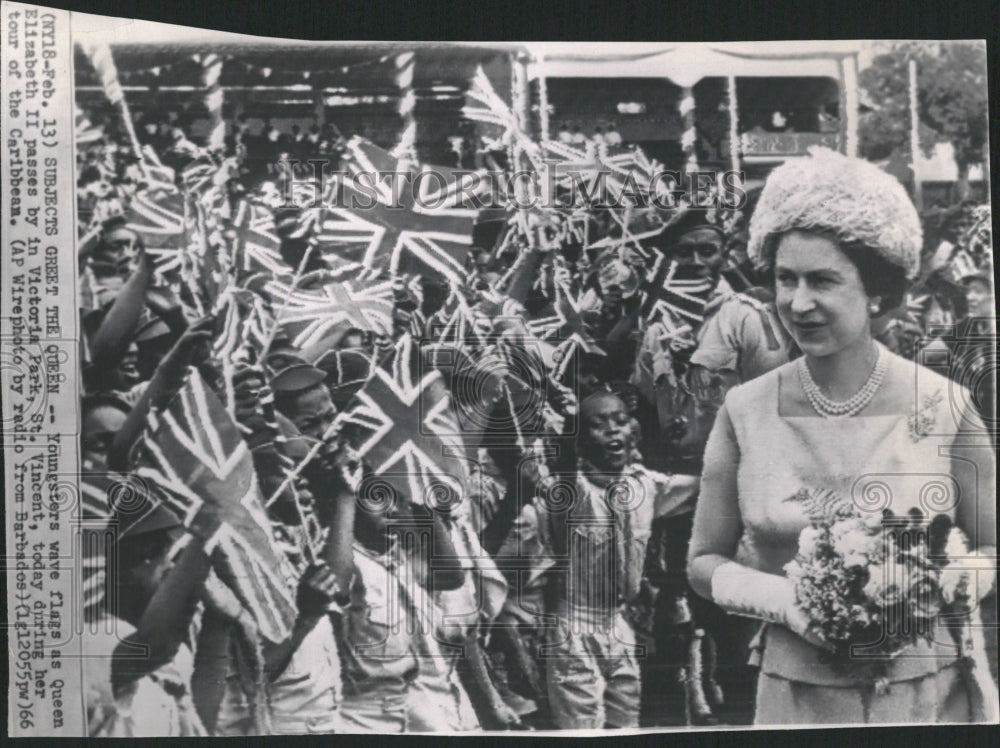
x: 770, y: 597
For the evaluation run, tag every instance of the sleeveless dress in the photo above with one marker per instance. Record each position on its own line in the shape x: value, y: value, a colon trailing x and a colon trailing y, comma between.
x: 903, y: 451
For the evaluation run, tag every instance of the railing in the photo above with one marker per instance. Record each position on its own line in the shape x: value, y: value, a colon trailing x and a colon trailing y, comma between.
x: 784, y: 144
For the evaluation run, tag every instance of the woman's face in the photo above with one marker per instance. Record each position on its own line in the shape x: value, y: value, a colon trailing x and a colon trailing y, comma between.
x: 820, y: 298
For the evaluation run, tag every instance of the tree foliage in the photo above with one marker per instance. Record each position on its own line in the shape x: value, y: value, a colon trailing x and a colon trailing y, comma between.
x: 951, y: 100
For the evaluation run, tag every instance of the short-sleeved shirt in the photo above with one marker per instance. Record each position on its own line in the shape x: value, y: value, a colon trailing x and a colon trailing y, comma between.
x: 157, y: 705
x: 303, y: 699
x: 607, y: 547
x: 744, y: 336
x: 388, y: 644
x: 375, y: 644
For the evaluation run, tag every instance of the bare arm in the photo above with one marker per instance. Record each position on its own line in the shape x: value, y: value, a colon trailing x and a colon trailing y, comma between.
x: 166, y: 380
x: 164, y: 623
x: 323, y: 582
x: 113, y: 337
x: 473, y: 673
x: 211, y: 665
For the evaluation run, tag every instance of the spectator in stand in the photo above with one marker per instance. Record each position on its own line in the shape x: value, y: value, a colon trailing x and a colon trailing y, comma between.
x: 181, y: 150
x: 457, y: 144
x: 827, y: 121
x: 598, y: 135
x: 297, y: 142
x: 271, y: 141
x: 778, y: 123
x: 577, y: 138
x: 565, y: 136
x: 612, y: 136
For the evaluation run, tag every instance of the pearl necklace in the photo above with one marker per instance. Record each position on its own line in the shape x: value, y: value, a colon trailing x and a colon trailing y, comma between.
x: 828, y: 408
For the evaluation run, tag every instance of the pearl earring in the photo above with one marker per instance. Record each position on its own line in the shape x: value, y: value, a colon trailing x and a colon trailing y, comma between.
x: 873, y: 308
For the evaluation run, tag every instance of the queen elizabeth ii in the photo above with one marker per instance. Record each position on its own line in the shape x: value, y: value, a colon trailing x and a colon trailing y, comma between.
x: 840, y: 239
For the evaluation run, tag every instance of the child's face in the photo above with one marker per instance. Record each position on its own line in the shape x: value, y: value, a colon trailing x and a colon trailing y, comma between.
x: 604, y: 439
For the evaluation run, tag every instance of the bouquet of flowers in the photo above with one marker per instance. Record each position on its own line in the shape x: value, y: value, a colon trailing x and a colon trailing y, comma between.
x: 873, y: 584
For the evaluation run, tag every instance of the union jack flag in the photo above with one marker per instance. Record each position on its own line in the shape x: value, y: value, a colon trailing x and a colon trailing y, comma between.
x: 402, y: 424
x: 200, y: 174
x: 415, y: 223
x: 624, y: 161
x: 578, y: 165
x: 158, y: 176
x: 566, y: 330
x: 94, y: 514
x: 620, y: 176
x: 486, y: 106
x: 443, y: 187
x: 257, y: 246
x: 674, y: 299
x: 634, y: 228
x: 309, y: 315
x: 196, y: 461
x: 361, y: 156
x: 246, y: 321
x: 395, y: 240
x: 160, y: 219
x: 329, y: 249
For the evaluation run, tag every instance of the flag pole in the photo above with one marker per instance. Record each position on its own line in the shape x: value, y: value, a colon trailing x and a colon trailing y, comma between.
x: 543, y: 106
x: 211, y: 73
x: 103, y: 61
x: 918, y: 191
x: 404, y: 65
x: 734, y: 127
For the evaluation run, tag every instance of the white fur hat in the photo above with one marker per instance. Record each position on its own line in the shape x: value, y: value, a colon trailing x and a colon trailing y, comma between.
x: 849, y: 197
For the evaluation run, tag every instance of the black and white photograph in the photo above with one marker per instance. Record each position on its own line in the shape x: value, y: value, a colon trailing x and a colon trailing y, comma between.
x: 494, y: 387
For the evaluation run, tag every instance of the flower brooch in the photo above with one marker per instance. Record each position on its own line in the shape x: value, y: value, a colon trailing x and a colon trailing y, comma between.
x: 921, y: 421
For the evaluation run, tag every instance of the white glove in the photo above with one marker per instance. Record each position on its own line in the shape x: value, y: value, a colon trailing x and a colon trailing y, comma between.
x: 769, y: 597
x: 977, y: 568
